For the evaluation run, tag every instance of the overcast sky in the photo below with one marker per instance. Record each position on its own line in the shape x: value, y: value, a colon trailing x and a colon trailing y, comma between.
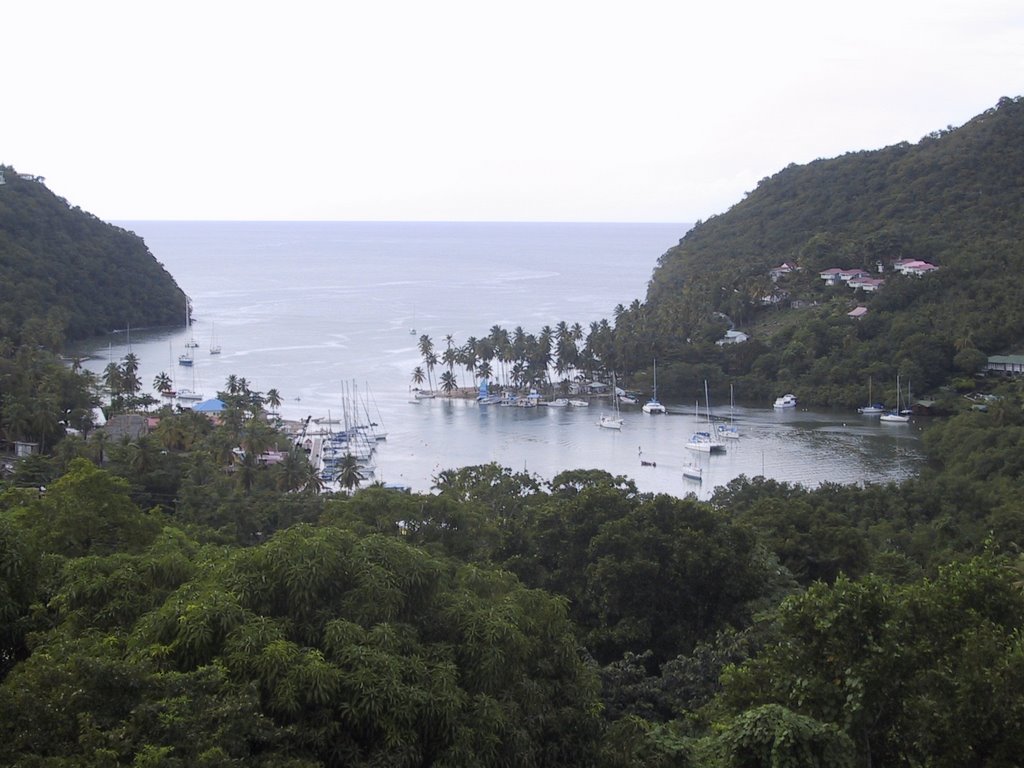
x: 555, y: 110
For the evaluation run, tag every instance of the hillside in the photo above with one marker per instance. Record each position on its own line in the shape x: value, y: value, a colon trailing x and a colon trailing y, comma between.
x: 954, y: 199
x: 65, y: 275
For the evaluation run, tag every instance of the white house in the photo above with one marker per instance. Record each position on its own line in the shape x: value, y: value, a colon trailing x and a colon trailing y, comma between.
x: 914, y: 267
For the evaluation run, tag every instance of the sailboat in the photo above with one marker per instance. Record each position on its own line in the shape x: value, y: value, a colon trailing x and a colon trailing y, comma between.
x: 729, y: 431
x: 896, y: 415
x: 652, y: 405
x: 214, y: 346
x: 872, y: 408
x: 613, y: 420
x: 191, y: 343
x: 706, y: 441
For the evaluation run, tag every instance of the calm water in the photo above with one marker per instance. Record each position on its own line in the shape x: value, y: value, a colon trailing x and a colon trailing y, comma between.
x: 311, y: 308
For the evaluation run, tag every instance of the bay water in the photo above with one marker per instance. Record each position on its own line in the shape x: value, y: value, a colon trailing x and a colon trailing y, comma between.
x: 319, y: 310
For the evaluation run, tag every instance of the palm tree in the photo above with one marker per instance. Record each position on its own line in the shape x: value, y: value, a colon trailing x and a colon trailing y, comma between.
x: 417, y: 376
x: 448, y: 383
x: 162, y: 382
x: 273, y: 399
x: 349, y: 475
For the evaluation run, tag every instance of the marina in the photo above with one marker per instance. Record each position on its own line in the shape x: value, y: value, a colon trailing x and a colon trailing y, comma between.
x: 328, y: 322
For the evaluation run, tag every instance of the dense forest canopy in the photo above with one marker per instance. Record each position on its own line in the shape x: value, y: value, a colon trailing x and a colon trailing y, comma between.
x: 64, y: 274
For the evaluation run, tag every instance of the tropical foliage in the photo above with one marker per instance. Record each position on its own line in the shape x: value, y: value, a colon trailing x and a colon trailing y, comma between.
x: 64, y: 274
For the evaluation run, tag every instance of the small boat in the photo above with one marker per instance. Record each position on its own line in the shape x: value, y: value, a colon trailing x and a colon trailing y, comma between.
x: 579, y: 403
x: 627, y: 399
x: 896, y: 415
x: 786, y: 401
x: 191, y: 343
x: 185, y: 360
x: 692, y: 471
x: 705, y: 442
x: 729, y: 431
x: 558, y: 402
x: 424, y: 394
x: 612, y: 420
x: 652, y: 406
x: 485, y: 396
x: 214, y: 346
x: 871, y: 409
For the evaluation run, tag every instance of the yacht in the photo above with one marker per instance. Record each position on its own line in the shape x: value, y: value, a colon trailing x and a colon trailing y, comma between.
x: 786, y: 401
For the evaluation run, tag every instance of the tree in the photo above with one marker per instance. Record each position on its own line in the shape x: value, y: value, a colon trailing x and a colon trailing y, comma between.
x: 349, y: 473
x: 914, y: 674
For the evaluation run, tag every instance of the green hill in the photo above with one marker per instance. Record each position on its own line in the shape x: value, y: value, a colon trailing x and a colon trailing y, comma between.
x: 955, y: 199
x: 64, y: 274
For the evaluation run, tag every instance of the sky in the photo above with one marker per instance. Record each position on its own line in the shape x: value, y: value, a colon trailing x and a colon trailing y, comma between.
x: 452, y: 110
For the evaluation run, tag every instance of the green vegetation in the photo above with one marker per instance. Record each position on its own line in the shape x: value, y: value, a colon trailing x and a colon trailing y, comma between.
x: 66, y: 275
x: 168, y: 599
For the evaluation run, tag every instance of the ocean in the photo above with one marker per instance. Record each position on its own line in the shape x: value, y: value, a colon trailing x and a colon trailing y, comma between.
x: 320, y: 309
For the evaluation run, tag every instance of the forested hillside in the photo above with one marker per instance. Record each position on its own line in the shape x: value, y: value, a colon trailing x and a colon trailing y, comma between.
x: 64, y: 274
x: 954, y: 199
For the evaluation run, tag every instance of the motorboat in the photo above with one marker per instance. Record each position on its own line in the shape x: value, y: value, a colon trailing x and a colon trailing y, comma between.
x: 693, y: 471
x: 786, y: 401
x: 579, y: 404
x: 558, y: 402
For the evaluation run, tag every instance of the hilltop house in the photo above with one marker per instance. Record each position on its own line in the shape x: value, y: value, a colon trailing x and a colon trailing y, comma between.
x: 914, y: 267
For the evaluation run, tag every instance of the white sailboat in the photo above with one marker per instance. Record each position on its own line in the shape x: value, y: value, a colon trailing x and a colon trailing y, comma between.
x: 191, y: 342
x: 214, y: 346
x: 729, y: 431
x: 872, y: 408
x: 895, y: 416
x: 706, y: 441
x: 613, y: 420
x: 652, y: 406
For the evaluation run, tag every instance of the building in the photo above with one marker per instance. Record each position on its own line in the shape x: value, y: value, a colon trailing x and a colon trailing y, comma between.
x: 914, y: 267
x: 857, y: 313
x: 1008, y: 365
x: 782, y: 270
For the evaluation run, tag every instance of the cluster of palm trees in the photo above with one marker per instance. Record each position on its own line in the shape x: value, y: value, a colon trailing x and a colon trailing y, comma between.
x: 520, y: 359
